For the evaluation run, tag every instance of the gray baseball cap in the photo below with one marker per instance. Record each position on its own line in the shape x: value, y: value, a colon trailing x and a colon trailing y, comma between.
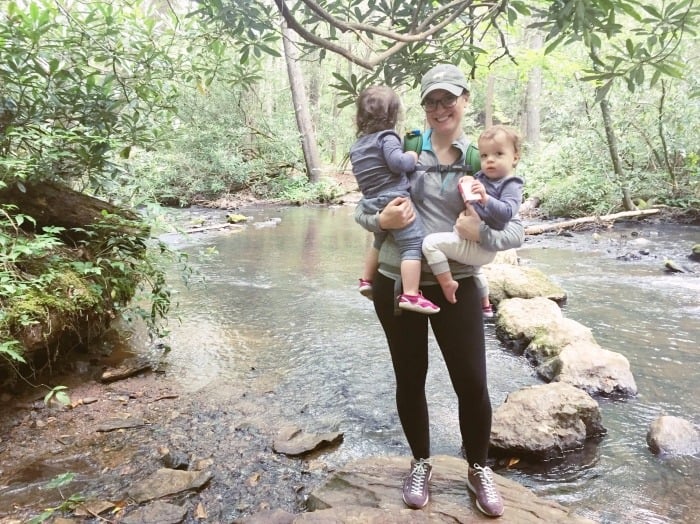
x: 443, y: 76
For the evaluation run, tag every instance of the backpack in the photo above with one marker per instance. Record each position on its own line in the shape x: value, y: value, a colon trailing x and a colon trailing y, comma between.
x: 413, y: 141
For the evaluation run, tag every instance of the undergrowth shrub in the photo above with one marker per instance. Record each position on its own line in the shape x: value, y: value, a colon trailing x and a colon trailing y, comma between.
x: 49, y: 285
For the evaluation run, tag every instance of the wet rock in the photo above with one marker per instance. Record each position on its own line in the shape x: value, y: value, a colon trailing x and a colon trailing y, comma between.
x: 563, y: 350
x: 545, y: 421
x: 520, y: 320
x: 369, y: 491
x: 628, y: 257
x: 587, y: 366
x: 93, y: 507
x: 114, y: 424
x: 695, y: 253
x: 512, y: 281
x: 509, y: 256
x: 157, y: 513
x: 669, y: 435
x: 293, y: 441
x: 270, y: 222
x: 128, y: 368
x: 174, y: 459
x: 234, y: 218
x: 560, y: 333
x: 166, y: 482
x: 671, y: 266
x: 273, y: 516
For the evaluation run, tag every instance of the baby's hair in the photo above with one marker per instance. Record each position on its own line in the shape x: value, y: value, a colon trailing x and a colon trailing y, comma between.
x: 378, y: 108
x: 512, y: 134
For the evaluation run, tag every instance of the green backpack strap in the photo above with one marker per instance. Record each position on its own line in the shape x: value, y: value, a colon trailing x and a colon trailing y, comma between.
x: 413, y: 141
x: 472, y: 158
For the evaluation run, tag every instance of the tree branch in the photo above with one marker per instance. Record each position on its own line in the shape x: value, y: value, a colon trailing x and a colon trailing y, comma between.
x: 419, y: 33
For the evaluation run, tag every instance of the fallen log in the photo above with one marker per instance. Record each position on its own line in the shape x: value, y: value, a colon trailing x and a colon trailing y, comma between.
x: 567, y: 224
x: 52, y: 204
x: 209, y: 228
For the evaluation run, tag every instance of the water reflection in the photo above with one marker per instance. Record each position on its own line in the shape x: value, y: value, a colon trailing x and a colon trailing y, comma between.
x: 281, y: 303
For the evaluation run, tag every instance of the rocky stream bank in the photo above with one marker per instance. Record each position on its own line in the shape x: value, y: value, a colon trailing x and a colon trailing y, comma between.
x: 143, y: 450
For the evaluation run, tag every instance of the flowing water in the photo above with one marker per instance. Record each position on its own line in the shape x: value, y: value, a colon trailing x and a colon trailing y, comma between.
x: 279, y: 300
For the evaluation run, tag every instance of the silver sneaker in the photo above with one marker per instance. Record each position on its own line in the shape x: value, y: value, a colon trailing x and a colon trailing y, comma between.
x: 415, y: 487
x: 481, y: 482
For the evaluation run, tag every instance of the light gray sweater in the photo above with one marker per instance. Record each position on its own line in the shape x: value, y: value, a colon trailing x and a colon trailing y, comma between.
x: 436, y: 199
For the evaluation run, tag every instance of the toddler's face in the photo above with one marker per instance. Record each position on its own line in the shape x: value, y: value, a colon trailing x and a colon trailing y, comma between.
x: 498, y: 156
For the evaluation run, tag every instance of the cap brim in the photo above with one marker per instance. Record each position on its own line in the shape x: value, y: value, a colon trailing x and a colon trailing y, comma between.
x: 452, y: 88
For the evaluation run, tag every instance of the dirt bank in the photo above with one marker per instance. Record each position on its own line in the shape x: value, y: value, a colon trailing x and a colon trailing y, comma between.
x: 221, y: 429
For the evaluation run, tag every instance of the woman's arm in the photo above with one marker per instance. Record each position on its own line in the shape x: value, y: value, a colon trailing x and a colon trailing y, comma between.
x: 470, y: 227
x: 396, y: 215
x: 510, y: 237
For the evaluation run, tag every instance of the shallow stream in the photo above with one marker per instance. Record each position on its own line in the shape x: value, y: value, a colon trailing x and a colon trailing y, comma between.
x: 279, y: 300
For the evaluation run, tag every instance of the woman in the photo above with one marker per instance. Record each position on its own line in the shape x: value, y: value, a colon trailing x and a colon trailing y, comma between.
x: 458, y: 327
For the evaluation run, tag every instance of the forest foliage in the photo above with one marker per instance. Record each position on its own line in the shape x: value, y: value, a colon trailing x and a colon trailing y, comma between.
x: 144, y: 102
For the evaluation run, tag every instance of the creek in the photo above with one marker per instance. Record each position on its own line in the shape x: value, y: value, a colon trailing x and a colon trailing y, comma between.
x: 279, y: 300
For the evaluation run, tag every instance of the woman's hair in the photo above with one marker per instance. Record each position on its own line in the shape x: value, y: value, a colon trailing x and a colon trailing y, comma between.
x: 511, y: 134
x: 378, y: 108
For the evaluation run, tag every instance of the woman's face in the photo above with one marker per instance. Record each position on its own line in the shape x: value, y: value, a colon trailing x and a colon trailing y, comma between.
x: 444, y: 112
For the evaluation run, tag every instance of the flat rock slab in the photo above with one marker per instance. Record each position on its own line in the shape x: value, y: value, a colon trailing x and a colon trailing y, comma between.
x: 369, y: 491
x: 157, y: 513
x: 166, y: 482
x: 294, y: 441
x: 114, y: 424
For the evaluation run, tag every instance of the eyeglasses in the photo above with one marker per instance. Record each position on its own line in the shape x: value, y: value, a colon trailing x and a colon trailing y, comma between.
x: 448, y: 102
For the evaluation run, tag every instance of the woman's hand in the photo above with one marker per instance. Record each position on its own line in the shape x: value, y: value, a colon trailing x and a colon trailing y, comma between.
x: 397, y: 214
x: 467, y: 224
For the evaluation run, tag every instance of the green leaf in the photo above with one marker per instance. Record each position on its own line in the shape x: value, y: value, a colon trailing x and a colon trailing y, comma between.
x: 601, y: 93
x: 8, y: 349
x: 63, y: 398
x: 652, y: 10
x: 60, y: 481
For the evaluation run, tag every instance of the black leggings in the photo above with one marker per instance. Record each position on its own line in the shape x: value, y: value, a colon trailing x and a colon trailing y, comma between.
x: 459, y: 331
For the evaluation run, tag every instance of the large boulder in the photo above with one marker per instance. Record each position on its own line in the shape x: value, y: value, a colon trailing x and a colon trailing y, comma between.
x: 560, y: 333
x: 587, y: 366
x: 545, y: 421
x: 669, y: 435
x: 513, y: 281
x: 563, y: 349
x: 520, y: 320
x: 369, y: 491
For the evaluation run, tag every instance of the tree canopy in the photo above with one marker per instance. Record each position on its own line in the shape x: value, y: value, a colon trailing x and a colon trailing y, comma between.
x: 396, y: 41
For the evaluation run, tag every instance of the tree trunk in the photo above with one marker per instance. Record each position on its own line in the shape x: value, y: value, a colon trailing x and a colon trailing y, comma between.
x: 558, y: 226
x: 488, y: 101
x: 531, y: 123
x: 301, y: 107
x: 615, y: 155
x: 52, y: 204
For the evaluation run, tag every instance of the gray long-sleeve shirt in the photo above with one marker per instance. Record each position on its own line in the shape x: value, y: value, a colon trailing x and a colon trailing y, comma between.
x: 437, y: 200
x: 506, y: 195
x: 379, y: 164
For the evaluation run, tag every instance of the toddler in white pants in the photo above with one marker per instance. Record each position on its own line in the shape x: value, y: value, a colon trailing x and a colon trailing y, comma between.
x: 496, y: 194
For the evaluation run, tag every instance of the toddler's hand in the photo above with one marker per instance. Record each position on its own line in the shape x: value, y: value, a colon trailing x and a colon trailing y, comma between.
x: 479, y: 189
